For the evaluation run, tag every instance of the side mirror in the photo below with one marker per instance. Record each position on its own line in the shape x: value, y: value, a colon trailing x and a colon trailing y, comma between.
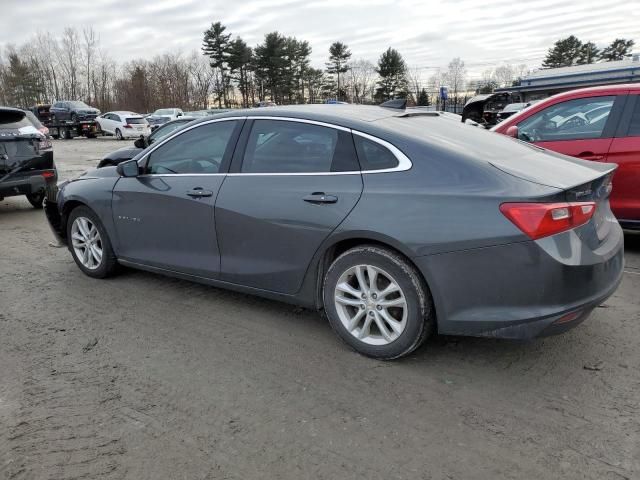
x: 140, y: 143
x: 512, y: 131
x: 128, y: 168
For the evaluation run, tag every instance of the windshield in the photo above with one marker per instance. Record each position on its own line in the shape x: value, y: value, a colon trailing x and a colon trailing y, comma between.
x: 164, y: 111
x: 79, y: 105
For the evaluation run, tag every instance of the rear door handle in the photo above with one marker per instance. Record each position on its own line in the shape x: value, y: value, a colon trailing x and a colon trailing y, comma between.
x: 590, y: 156
x: 320, y: 197
x: 199, y: 192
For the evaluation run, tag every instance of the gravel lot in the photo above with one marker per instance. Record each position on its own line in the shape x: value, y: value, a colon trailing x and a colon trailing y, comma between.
x: 147, y: 377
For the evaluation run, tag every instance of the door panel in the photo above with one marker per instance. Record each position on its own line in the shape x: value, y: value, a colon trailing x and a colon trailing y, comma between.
x: 158, y: 223
x: 625, y: 196
x: 594, y: 149
x: 268, y: 233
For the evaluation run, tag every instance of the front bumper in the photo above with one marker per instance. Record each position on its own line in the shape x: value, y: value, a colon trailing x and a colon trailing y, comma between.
x: 520, y: 291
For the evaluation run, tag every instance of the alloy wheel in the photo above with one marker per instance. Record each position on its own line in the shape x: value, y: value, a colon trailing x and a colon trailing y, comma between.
x: 86, y: 242
x: 371, y: 305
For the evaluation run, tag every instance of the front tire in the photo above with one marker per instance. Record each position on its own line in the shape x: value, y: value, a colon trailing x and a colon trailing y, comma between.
x: 377, y: 302
x: 90, y: 244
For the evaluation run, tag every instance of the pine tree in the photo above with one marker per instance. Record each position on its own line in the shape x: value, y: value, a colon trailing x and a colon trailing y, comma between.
x: 423, y: 98
x: 588, y: 53
x: 239, y: 60
x: 216, y: 46
x: 392, y: 70
x: 618, y: 49
x: 339, y: 55
x: 564, y: 53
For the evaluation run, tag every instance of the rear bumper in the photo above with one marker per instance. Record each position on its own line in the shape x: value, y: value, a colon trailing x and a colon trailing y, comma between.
x: 522, y: 290
x: 22, y: 185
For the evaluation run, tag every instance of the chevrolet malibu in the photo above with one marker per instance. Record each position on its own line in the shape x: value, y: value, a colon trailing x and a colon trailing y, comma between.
x: 396, y: 223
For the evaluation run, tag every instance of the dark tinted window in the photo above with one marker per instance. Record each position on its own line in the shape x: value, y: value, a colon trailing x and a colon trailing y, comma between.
x: 13, y: 119
x: 199, y: 150
x: 582, y: 118
x: 136, y: 121
x: 278, y: 146
x: 374, y: 156
x: 634, y: 123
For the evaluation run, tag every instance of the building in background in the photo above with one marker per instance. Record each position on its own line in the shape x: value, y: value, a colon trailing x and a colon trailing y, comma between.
x: 543, y: 83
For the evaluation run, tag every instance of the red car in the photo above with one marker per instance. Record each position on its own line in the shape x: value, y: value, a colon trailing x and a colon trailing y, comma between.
x: 598, y: 123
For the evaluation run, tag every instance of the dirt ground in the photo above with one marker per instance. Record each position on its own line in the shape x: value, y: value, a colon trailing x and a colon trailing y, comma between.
x: 146, y: 377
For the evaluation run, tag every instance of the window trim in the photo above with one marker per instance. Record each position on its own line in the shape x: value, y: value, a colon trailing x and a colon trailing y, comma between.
x: 404, y: 163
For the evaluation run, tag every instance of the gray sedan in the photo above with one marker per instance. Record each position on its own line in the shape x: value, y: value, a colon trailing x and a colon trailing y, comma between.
x: 397, y: 223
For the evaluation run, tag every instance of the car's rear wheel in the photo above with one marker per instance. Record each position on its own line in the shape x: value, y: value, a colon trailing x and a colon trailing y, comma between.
x: 36, y: 199
x: 118, y: 134
x: 89, y: 243
x: 377, y: 302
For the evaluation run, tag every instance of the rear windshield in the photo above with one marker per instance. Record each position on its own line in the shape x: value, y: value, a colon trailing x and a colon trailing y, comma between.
x: 164, y: 111
x: 34, y: 120
x: 136, y: 121
x: 12, y: 120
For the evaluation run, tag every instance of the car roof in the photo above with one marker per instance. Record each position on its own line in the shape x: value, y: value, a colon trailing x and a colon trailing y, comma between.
x: 124, y: 112
x: 623, y: 87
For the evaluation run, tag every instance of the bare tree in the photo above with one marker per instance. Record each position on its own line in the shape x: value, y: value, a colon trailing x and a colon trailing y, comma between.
x: 415, y: 83
x: 68, y: 54
x: 90, y: 44
x: 362, y: 74
x: 504, y: 75
x: 456, y: 76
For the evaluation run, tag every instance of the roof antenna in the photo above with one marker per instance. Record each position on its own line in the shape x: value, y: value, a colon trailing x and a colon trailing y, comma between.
x: 398, y: 103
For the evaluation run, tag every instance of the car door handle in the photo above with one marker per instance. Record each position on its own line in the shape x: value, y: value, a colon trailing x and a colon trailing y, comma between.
x: 590, y: 156
x: 320, y: 197
x: 199, y: 192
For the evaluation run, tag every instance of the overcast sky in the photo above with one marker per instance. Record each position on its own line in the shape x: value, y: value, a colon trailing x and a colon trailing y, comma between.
x: 427, y: 33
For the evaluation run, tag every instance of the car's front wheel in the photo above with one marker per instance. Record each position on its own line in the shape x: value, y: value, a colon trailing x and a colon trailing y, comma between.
x: 377, y: 302
x: 89, y: 243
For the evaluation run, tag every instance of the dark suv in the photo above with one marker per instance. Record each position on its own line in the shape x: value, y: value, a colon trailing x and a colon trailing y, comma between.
x: 72, y: 111
x: 26, y: 159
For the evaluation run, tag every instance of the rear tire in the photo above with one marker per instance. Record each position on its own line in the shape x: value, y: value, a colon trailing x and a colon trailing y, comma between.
x: 36, y: 199
x: 90, y: 244
x: 119, y: 134
x: 374, y: 323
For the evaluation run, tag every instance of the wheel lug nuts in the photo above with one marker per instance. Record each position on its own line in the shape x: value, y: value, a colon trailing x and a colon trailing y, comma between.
x: 379, y: 307
x: 371, y: 313
x: 364, y: 297
x: 374, y: 296
x: 362, y: 306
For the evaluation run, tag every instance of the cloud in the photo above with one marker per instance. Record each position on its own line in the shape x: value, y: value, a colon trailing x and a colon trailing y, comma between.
x: 428, y: 34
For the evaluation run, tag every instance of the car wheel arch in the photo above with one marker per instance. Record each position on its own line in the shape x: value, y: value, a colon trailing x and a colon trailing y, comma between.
x: 67, y: 208
x: 338, y: 245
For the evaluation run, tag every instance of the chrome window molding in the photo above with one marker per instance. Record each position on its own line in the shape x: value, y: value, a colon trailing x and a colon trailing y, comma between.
x: 404, y: 163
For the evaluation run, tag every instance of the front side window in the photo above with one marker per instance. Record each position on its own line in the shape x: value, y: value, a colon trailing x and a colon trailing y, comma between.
x: 199, y: 150
x: 165, y: 130
x: 279, y: 146
x: 582, y: 118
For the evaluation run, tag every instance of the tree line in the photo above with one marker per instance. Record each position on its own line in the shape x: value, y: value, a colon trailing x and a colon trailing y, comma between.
x: 225, y: 73
x: 570, y: 51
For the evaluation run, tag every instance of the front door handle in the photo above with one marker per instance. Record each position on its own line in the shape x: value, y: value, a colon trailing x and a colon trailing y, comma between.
x: 590, y: 156
x: 198, y: 192
x: 320, y: 197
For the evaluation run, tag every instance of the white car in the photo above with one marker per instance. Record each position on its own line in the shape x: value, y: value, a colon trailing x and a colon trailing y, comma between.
x: 123, y: 124
x: 170, y: 113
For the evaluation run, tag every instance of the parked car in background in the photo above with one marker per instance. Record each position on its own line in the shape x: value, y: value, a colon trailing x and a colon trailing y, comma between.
x: 26, y: 159
x: 601, y: 124
x: 265, y: 103
x: 42, y: 112
x: 511, y: 109
x: 36, y: 123
x: 354, y: 210
x: 72, y: 111
x: 123, y: 124
x: 168, y: 113
x: 484, y: 109
x: 154, y: 122
x: 127, y: 153
x: 205, y: 113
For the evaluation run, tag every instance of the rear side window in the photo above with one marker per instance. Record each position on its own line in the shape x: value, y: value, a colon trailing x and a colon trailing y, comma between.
x: 279, y: 146
x: 12, y: 120
x: 634, y: 123
x: 374, y: 156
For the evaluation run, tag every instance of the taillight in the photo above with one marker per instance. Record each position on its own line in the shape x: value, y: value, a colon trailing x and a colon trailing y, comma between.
x: 127, y: 126
x: 48, y: 174
x: 539, y: 220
